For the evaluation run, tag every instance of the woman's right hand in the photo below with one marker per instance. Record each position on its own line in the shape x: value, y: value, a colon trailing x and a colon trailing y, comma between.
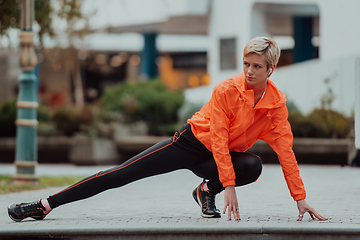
x: 231, y: 203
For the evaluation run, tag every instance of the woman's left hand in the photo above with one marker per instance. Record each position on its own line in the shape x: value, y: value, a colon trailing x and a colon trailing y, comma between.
x: 304, y: 207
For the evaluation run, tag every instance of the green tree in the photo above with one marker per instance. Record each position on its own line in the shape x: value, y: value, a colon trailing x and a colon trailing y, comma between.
x: 67, y: 10
x: 70, y: 11
x: 149, y: 101
x: 10, y: 17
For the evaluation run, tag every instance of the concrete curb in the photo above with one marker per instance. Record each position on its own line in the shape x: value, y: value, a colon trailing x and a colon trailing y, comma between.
x: 257, y: 231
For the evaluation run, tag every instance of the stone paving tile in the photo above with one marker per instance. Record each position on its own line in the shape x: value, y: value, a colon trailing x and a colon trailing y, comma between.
x: 166, y: 200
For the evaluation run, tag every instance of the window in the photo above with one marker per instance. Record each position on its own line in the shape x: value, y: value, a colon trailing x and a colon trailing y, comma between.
x: 227, y: 53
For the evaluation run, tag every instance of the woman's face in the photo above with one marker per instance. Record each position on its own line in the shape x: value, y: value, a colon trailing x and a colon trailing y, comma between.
x: 255, y: 69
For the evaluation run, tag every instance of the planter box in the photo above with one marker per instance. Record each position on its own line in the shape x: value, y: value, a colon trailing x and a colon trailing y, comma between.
x: 50, y: 149
x: 130, y: 146
x: 104, y: 151
x: 66, y: 150
x: 307, y: 150
x: 93, y: 152
x: 312, y: 151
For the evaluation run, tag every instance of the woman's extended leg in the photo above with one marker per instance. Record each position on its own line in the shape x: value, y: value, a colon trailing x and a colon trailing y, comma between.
x: 179, y: 152
x: 183, y: 151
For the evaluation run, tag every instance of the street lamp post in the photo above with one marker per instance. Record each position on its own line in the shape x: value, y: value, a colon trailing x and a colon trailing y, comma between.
x: 26, y: 123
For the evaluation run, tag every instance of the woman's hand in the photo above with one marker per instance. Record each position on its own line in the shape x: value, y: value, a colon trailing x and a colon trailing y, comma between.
x: 231, y: 202
x: 304, y: 207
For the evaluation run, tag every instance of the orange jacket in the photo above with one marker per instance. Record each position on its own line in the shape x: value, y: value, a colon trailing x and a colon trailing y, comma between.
x: 229, y: 122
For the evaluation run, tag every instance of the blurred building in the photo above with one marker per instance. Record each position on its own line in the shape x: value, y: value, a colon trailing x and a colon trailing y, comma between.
x: 173, y: 48
x: 9, y: 69
x: 100, y: 69
x: 319, y: 40
x: 193, y: 45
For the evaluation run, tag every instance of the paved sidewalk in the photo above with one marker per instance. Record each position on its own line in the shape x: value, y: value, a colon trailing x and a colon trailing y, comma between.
x: 163, y: 206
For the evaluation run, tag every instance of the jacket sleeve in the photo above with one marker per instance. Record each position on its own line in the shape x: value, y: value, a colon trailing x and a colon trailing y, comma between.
x: 280, y: 139
x: 219, y: 133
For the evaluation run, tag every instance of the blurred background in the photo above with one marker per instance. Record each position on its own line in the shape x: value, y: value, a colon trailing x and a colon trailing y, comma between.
x: 117, y: 73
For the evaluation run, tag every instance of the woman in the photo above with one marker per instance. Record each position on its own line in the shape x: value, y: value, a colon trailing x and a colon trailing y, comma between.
x: 212, y: 144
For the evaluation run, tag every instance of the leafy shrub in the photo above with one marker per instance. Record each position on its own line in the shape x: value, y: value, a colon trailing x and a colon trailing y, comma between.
x: 97, y: 122
x: 149, y: 101
x: 91, y: 121
x: 335, y: 124
x: 291, y: 106
x: 8, y: 113
x: 303, y: 127
x: 46, y: 127
x: 7, y: 118
x: 43, y: 114
x: 67, y: 121
x: 187, y: 110
x: 320, y: 123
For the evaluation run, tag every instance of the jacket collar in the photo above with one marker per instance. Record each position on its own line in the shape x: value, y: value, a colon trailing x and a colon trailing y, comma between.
x: 273, y: 97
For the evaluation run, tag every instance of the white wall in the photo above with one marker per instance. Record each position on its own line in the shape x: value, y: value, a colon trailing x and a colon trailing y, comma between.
x: 126, y: 12
x: 339, y: 28
x: 197, y: 6
x: 303, y: 83
x: 229, y: 18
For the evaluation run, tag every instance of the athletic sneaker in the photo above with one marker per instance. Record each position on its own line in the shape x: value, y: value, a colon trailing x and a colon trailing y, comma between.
x: 19, y: 212
x: 206, y: 202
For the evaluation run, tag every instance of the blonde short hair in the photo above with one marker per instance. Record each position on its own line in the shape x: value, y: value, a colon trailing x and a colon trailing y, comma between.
x: 264, y: 46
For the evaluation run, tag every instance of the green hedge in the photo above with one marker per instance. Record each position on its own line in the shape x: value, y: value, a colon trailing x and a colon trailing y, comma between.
x: 7, y: 118
x: 8, y: 113
x: 67, y: 121
x: 321, y: 123
x: 153, y: 103
x: 149, y: 101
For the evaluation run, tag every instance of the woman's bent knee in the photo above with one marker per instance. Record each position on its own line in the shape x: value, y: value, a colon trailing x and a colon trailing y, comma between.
x: 247, y: 164
x: 254, y: 162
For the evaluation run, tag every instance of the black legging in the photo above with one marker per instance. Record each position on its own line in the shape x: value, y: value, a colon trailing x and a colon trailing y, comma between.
x: 182, y: 151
